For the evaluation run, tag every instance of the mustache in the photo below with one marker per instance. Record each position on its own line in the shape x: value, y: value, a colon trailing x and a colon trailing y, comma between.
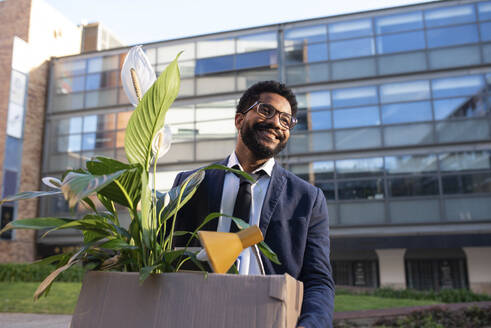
x: 270, y: 127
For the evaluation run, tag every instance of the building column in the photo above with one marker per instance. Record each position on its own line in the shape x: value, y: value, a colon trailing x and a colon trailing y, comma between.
x: 479, y: 269
x: 391, y: 265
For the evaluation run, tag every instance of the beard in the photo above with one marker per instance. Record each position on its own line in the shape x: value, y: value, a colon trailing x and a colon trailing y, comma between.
x: 252, y: 139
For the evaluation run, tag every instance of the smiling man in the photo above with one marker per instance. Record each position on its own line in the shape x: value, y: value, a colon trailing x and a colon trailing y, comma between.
x: 291, y: 213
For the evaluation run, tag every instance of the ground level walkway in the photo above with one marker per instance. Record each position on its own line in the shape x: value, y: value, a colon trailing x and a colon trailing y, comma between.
x: 363, y: 318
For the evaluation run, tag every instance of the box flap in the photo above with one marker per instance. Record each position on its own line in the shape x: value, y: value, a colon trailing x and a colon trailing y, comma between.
x: 277, y: 288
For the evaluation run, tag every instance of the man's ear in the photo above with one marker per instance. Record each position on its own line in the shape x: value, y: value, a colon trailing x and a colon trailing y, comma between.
x: 239, y: 120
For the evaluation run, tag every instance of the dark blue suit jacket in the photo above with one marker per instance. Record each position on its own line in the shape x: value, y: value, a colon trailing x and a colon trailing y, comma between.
x: 294, y: 222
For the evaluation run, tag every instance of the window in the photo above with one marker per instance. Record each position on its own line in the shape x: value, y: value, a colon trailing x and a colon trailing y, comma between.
x: 406, y: 112
x: 399, y: 22
x: 350, y: 29
x: 415, y: 90
x: 256, y: 42
x: 353, y: 117
x: 410, y: 164
x: 408, y: 41
x: 449, y: 16
x: 413, y: 186
x: 457, y: 86
x: 449, y: 36
x: 308, y: 34
x: 354, y: 168
x: 354, y: 96
x: 352, y: 48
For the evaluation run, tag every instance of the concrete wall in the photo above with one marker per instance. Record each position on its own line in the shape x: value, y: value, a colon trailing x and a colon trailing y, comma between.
x: 479, y: 268
x: 391, y: 268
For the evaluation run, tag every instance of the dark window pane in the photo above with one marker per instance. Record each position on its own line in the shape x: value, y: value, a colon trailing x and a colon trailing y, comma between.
x: 306, y: 34
x: 354, y: 117
x: 6, y: 216
x: 449, y: 36
x: 400, y: 22
x: 413, y: 186
x: 9, y: 183
x: 466, y: 183
x: 306, y: 53
x: 301, y: 170
x: 214, y: 64
x: 361, y: 189
x: 449, y: 15
x: 350, y: 29
x: 327, y: 189
x: 410, y: 164
x: 354, y: 97
x: 352, y: 48
x: 400, y: 42
x: 256, y: 59
x: 484, y: 9
x: 460, y: 107
x: 406, y: 112
x: 486, y: 31
x: 364, y: 167
x: 457, y: 86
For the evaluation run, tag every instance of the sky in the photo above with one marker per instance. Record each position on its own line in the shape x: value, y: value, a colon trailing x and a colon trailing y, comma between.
x: 143, y: 21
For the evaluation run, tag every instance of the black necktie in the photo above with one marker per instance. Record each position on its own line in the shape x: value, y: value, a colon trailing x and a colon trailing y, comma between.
x: 242, y: 207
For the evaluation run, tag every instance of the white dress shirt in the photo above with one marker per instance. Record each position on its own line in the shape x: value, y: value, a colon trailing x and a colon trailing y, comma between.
x: 247, y: 260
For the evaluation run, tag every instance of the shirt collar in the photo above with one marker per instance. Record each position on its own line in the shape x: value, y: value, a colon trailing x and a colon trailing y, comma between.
x: 266, y: 167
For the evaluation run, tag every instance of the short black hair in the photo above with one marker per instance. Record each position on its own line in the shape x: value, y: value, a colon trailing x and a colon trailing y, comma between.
x: 252, y: 94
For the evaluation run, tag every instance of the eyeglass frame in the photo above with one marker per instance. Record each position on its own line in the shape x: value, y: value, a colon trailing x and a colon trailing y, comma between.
x: 293, y: 119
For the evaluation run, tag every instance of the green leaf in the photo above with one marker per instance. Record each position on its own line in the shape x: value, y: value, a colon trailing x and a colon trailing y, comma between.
x: 36, y: 223
x: 208, y: 218
x: 90, y: 236
x: 146, y: 271
x: 90, y: 222
x: 187, y: 189
x: 129, y: 180
x: 149, y: 116
x: 50, y: 259
x: 78, y: 186
x: 117, y: 244
x: 265, y: 249
x: 28, y: 195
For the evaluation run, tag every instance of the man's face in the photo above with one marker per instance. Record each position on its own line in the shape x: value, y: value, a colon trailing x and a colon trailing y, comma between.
x: 265, y: 137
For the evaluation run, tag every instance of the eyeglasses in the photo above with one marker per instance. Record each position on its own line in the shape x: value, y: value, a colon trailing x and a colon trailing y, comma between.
x: 268, y: 111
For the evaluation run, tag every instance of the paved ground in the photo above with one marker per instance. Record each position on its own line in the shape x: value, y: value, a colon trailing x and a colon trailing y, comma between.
x: 363, y: 318
x: 29, y: 320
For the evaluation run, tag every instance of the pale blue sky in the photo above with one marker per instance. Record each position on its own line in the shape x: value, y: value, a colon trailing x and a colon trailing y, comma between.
x: 142, y: 21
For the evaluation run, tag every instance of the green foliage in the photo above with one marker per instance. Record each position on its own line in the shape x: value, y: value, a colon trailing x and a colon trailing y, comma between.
x: 444, y: 296
x: 471, y: 317
x: 17, y: 297
x: 35, y: 272
x: 149, y: 116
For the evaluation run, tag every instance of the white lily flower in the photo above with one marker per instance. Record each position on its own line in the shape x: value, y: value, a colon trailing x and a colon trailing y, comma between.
x: 137, y: 75
x: 162, y: 141
x: 52, y: 182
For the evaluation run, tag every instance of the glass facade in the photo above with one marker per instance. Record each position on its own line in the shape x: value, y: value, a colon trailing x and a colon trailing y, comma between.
x: 394, y: 115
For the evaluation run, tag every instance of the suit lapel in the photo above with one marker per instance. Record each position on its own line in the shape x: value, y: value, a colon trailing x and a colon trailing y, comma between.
x: 275, y: 189
x: 214, y: 188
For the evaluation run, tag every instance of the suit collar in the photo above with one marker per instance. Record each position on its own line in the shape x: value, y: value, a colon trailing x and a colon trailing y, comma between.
x: 275, y: 189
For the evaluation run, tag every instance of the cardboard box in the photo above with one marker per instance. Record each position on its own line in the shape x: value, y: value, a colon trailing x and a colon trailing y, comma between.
x: 188, y: 300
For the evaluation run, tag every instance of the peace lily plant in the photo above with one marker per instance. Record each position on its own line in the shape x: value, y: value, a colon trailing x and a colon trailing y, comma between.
x: 146, y: 246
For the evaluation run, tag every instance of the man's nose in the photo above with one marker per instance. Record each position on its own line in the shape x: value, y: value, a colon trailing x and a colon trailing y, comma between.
x: 275, y: 120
